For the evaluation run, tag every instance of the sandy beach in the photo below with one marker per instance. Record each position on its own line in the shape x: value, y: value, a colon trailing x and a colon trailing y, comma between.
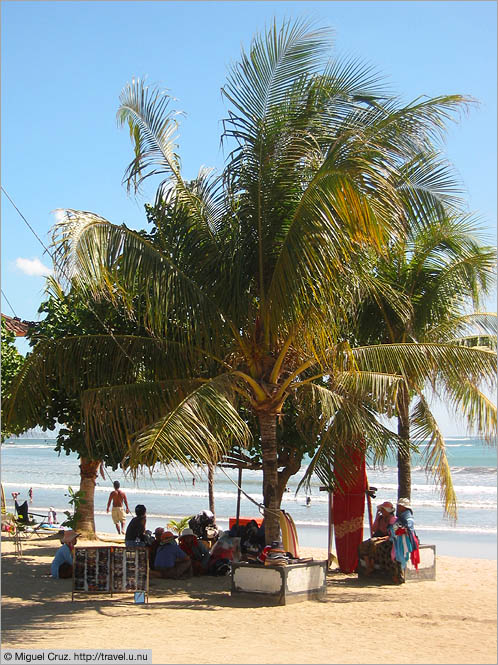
x: 451, y: 620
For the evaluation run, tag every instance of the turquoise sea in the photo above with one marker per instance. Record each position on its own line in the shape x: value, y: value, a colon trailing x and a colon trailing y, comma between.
x: 169, y: 493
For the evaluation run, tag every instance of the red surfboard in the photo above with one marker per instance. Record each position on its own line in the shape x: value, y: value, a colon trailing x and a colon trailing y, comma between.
x: 349, y: 508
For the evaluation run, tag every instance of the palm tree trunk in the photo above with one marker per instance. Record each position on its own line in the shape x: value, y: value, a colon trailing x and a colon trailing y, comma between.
x: 268, y: 431
x: 211, y: 487
x: 292, y: 465
x: 88, y: 474
x: 404, y: 458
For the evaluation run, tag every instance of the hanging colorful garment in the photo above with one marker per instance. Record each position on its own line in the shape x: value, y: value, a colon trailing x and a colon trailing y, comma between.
x: 349, y: 508
x: 415, y: 553
x: 404, y: 541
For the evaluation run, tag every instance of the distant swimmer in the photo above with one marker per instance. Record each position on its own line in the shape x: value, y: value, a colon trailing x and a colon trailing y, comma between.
x: 30, y: 494
x: 118, y: 497
x: 308, y: 500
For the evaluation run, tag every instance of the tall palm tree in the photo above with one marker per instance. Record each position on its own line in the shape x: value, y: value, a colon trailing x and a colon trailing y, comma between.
x: 247, y: 286
x: 443, y: 268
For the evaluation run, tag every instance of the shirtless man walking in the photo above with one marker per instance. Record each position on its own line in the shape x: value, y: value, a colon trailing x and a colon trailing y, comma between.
x: 118, y: 497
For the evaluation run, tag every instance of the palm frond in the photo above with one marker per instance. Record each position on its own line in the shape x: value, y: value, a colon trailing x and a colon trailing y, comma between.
x: 276, y: 60
x: 467, y: 398
x: 419, y: 363
x: 201, y: 428
x: 424, y: 428
x: 75, y: 364
x: 153, y: 128
x: 111, y: 261
x: 463, y: 328
x: 427, y: 183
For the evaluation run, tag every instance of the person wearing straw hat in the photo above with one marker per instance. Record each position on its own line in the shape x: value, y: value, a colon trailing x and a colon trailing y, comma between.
x: 62, y: 565
x: 171, y: 562
x: 404, y: 540
x: 384, y: 517
x: 372, y: 551
x: 195, y: 550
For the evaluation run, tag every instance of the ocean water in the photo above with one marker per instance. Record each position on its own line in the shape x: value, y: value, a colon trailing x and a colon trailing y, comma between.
x: 170, y: 494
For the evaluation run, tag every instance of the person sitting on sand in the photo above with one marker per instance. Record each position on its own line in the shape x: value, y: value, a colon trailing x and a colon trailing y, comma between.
x: 196, y: 551
x: 225, y: 550
x: 171, y: 561
x: 118, y: 498
x: 62, y: 565
x: 135, y: 533
x: 155, y: 545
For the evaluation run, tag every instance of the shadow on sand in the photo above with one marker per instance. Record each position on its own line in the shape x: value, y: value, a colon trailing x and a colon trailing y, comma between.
x: 31, y: 597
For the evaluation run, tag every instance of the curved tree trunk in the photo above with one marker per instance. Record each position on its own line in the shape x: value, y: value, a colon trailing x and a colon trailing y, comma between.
x: 88, y: 474
x: 404, y: 457
x: 271, y: 496
x: 292, y: 465
x: 211, y: 487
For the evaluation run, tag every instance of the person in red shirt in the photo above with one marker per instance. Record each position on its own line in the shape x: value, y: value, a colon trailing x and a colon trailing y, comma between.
x: 198, y: 553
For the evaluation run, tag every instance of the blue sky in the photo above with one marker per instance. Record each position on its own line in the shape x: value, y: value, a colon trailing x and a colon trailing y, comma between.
x: 64, y: 64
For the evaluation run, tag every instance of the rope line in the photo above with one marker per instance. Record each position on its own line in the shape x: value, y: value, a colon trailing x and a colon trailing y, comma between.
x: 54, y: 261
x: 261, y: 506
x: 8, y: 303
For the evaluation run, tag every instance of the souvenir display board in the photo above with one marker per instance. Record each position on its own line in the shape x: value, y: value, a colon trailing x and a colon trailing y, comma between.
x: 130, y: 569
x: 110, y: 569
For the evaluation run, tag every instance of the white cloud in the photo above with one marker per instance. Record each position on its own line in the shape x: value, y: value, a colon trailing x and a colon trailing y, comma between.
x: 33, y: 267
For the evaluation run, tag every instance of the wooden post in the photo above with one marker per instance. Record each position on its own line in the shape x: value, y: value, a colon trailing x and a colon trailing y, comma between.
x: 239, y: 486
x: 330, y: 556
x: 369, y: 505
x: 211, y: 487
x: 331, y: 524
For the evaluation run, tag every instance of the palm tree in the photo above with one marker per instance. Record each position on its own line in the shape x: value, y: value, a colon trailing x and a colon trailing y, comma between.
x: 443, y: 269
x: 252, y: 273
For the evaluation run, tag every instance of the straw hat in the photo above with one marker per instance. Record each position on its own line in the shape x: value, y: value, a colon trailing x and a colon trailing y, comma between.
x: 405, y: 503
x: 167, y: 536
x: 387, y: 506
x: 187, y: 532
x: 69, y: 537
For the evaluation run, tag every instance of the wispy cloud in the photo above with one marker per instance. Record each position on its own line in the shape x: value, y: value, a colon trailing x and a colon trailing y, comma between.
x: 33, y: 267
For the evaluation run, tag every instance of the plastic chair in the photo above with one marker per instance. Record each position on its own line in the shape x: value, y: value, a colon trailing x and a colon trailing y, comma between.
x: 26, y: 520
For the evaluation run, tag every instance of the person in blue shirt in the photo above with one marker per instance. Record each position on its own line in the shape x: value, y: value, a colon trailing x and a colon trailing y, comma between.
x: 403, y: 537
x: 171, y: 561
x: 62, y: 565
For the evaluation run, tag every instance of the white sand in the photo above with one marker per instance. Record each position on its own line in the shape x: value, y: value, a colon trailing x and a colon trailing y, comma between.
x: 451, y: 620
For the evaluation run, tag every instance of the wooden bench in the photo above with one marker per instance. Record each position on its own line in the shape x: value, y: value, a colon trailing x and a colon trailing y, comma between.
x: 426, y: 568
x: 280, y: 585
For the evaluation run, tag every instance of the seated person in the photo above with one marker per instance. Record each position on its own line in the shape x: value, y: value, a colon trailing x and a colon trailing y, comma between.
x: 196, y: 551
x: 153, y: 547
x: 62, y: 565
x: 171, y: 562
x: 384, y: 517
x: 390, y: 553
x: 368, y: 551
x: 204, y: 526
x: 403, y: 539
x: 135, y: 531
x: 225, y: 550
x: 252, y: 539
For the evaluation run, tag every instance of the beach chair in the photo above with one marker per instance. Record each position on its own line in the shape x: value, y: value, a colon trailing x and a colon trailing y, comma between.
x: 25, y: 519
